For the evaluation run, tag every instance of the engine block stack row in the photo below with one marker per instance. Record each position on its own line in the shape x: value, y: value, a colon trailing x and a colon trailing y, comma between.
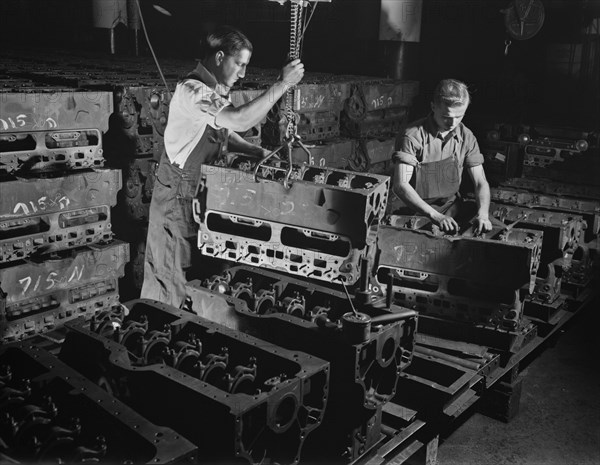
x: 57, y: 258
x: 346, y: 121
x: 44, y: 292
x: 543, y: 177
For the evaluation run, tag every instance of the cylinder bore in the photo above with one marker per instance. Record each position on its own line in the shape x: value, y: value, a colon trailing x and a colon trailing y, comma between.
x: 285, y: 413
x: 388, y: 351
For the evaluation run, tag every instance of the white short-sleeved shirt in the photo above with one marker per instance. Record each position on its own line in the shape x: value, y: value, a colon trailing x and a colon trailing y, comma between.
x: 194, y: 105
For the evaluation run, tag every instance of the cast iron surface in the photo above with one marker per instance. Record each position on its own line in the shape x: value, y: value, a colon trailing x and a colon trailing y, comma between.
x: 51, y: 413
x: 263, y: 400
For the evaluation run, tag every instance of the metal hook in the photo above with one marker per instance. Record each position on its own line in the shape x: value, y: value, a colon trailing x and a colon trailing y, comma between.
x: 507, y: 44
x: 260, y: 163
x: 288, y: 173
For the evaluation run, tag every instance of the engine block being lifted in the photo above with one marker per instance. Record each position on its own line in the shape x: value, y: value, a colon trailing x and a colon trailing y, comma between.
x: 243, y: 398
x: 320, y: 227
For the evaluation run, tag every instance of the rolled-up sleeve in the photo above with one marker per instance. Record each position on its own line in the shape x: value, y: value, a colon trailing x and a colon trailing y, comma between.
x: 473, y: 156
x: 205, y: 100
x: 406, y: 150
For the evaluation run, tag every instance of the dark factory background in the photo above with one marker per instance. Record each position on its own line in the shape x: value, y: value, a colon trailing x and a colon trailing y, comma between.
x: 554, y: 74
x: 415, y: 360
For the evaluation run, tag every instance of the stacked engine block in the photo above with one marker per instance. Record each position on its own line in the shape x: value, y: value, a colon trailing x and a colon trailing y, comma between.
x: 56, y: 128
x: 549, y: 184
x: 548, y: 149
x: 56, y: 212
x: 41, y: 294
x: 57, y: 255
x: 317, y: 105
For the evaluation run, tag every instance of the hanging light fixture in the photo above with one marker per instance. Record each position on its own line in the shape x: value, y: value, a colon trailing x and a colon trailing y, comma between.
x: 161, y: 9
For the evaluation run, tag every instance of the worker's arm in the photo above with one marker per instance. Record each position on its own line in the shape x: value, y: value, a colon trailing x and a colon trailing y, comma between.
x: 403, y: 189
x: 237, y: 143
x: 482, y: 197
x: 250, y: 114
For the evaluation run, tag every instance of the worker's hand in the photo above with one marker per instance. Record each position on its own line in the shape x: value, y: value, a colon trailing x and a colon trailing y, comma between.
x: 481, y: 224
x: 292, y: 73
x: 446, y: 223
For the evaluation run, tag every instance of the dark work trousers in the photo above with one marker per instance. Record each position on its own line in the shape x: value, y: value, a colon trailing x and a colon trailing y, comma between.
x: 172, y: 231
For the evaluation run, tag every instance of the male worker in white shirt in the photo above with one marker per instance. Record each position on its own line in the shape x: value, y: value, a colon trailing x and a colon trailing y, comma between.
x: 201, y: 120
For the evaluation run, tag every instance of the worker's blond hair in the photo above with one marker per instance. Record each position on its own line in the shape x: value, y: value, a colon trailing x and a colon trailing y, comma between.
x: 451, y: 93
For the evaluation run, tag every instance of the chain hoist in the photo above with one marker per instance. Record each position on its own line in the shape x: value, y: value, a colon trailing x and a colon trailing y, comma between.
x: 294, y: 53
x: 297, y: 30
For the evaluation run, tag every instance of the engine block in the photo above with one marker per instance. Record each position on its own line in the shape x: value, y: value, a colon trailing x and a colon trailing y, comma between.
x: 39, y: 295
x: 300, y: 316
x: 46, y: 214
x: 244, y: 398
x: 52, y: 129
x: 481, y: 280
x: 377, y: 108
x: 320, y: 227
x: 588, y: 208
x: 563, y: 232
x: 290, y: 312
x: 545, y: 146
x: 550, y: 187
x: 51, y: 150
x: 331, y: 153
x: 372, y: 151
x: 316, y: 107
x: 410, y: 243
x: 140, y: 118
x: 266, y: 244
x: 133, y: 203
x: 52, y: 414
x: 60, y: 109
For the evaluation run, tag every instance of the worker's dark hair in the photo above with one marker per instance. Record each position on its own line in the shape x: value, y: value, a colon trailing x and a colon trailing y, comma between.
x: 226, y: 38
x: 452, y: 93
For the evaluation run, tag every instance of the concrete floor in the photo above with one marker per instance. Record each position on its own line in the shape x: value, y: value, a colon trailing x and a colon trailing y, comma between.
x: 559, y: 416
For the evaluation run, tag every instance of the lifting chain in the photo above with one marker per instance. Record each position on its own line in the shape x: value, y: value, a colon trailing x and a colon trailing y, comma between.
x: 291, y: 133
x: 294, y: 53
